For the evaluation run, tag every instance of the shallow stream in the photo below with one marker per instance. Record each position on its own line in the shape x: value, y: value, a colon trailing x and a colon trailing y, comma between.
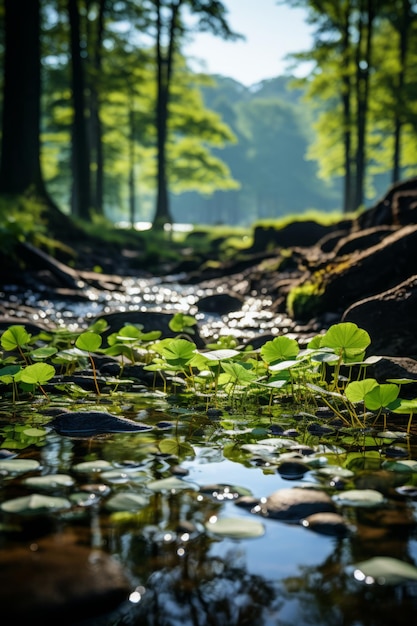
x: 179, y: 505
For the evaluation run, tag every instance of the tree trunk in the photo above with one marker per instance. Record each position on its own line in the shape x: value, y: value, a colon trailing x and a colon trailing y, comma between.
x: 80, y: 153
x: 404, y: 28
x: 95, y: 120
x: 164, y: 77
x: 347, y: 114
x: 20, y: 169
x: 363, y: 64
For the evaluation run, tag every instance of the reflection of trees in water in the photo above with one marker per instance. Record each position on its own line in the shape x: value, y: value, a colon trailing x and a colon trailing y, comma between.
x: 188, y: 583
x: 328, y: 594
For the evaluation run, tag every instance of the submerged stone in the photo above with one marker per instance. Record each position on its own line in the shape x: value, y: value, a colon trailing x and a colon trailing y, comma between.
x: 295, y: 504
x: 90, y: 423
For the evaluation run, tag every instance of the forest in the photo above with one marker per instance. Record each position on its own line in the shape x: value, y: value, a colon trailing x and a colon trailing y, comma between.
x: 102, y: 116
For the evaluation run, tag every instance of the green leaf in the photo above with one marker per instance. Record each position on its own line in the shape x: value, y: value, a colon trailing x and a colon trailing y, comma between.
x: 219, y: 355
x: 37, y: 374
x: 182, y: 323
x: 238, y: 373
x: 176, y: 448
x: 179, y: 352
x: 346, y: 339
x: 381, y: 396
x: 88, y: 341
x: 42, y: 353
x: 357, y: 390
x: 279, y: 349
x: 15, y: 337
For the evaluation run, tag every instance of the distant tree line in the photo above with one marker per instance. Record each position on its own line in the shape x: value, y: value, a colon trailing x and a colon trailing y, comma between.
x: 102, y: 115
x: 364, y: 84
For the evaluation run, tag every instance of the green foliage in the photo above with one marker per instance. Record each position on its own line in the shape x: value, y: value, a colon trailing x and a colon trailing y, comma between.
x: 219, y: 373
x: 304, y: 301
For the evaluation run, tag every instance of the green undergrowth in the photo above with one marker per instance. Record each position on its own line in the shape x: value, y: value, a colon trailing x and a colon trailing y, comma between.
x: 330, y: 371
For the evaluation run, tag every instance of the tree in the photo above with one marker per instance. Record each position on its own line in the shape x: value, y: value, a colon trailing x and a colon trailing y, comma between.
x: 169, y: 31
x: 81, y: 195
x: 20, y: 169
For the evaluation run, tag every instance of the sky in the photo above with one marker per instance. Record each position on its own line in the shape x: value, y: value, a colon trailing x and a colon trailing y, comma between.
x: 271, y: 32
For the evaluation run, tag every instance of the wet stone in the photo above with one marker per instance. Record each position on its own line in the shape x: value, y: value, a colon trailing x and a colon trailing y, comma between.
x: 292, y: 470
x: 295, y: 504
x: 63, y: 583
x: 331, y: 524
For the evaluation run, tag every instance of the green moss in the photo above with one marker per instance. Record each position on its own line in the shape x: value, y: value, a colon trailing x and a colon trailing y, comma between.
x: 304, y: 301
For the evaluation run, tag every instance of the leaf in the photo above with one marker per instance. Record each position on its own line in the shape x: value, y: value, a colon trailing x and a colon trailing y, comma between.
x: 15, y: 337
x: 37, y: 374
x: 357, y: 390
x: 176, y: 448
x: 179, y: 352
x: 279, y: 349
x: 182, y: 323
x: 381, y: 396
x: 88, y: 341
x: 219, y: 355
x: 235, y: 527
x: 238, y: 373
x: 346, y: 339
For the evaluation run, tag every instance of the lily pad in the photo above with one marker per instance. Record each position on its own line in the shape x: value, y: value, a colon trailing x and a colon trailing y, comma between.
x: 383, y: 571
x: 235, y: 527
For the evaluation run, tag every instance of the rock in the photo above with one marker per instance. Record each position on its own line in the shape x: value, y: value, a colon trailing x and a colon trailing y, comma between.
x: 52, y: 581
x: 297, y: 233
x: 293, y: 505
x: 362, y: 239
x: 220, y: 303
x: 90, y: 423
x: 390, y: 319
x: 331, y: 524
x: 371, y: 271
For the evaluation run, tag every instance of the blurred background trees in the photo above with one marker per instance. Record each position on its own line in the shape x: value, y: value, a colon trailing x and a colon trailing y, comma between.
x: 102, y: 115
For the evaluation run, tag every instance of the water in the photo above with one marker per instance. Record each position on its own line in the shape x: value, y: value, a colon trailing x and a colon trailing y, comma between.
x: 181, y: 571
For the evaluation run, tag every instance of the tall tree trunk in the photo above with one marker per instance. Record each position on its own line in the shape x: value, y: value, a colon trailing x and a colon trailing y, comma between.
x: 20, y: 168
x: 165, y: 60
x: 80, y: 153
x: 347, y: 114
x: 363, y: 64
x: 96, y: 142
x: 404, y: 29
